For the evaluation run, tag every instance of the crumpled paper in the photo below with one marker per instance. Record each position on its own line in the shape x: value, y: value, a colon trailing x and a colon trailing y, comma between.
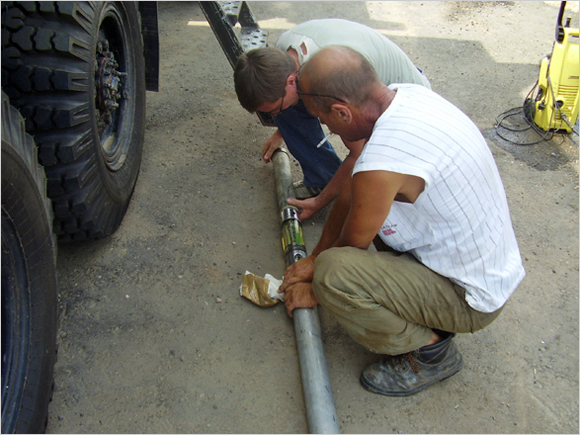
x: 261, y: 291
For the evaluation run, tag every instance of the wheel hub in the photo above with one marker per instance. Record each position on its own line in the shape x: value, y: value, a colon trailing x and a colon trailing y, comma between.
x: 108, y: 83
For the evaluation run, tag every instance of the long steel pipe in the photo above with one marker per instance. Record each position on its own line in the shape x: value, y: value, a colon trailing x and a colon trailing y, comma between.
x: 320, y: 409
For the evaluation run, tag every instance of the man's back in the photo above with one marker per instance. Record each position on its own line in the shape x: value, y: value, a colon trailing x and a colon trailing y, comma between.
x: 390, y: 62
x: 460, y: 225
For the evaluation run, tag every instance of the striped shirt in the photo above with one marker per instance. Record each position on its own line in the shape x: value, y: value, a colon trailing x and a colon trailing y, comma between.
x: 460, y: 226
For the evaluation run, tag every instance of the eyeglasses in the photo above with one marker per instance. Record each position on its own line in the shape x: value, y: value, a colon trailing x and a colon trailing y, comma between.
x: 313, y: 95
x: 275, y: 112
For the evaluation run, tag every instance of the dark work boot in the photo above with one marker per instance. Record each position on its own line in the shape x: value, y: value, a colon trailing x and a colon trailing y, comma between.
x: 403, y: 375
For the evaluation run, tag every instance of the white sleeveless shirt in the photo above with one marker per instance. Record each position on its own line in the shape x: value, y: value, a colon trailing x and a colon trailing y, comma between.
x: 460, y: 226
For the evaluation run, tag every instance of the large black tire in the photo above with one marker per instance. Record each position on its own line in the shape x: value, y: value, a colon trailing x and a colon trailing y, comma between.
x: 75, y: 70
x: 29, y: 289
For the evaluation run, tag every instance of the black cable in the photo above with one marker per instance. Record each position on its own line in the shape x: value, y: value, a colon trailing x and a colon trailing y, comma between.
x: 516, y: 111
x: 531, y: 124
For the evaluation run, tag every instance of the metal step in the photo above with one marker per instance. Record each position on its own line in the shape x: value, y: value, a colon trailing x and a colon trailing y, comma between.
x: 222, y: 17
x: 253, y: 38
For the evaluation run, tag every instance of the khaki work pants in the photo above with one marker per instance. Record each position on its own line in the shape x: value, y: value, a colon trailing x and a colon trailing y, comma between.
x: 388, y: 301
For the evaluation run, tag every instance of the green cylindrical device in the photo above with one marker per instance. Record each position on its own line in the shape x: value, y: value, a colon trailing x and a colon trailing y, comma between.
x: 292, y: 237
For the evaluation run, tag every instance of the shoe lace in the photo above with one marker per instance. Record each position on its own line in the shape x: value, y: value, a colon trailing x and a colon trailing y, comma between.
x: 412, y: 362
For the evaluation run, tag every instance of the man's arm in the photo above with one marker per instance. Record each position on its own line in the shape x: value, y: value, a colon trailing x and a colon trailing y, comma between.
x: 302, y: 272
x: 354, y: 220
x: 359, y: 212
x: 335, y: 221
x: 310, y: 206
x: 297, y: 285
x: 373, y: 193
x: 272, y: 144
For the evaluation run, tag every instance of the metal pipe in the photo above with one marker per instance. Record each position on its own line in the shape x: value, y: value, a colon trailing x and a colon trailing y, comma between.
x: 320, y: 409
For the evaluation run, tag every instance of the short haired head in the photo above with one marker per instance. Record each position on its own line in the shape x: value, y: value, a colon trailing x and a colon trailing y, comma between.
x: 336, y: 73
x: 260, y: 76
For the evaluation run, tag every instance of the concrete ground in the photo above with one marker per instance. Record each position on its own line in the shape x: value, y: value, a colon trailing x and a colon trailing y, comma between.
x: 154, y: 337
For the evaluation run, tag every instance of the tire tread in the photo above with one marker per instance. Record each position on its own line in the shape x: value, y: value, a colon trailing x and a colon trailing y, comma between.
x: 46, y: 58
x: 29, y: 209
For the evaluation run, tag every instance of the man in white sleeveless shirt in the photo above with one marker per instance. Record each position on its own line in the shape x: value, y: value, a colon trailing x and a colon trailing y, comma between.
x: 427, y: 191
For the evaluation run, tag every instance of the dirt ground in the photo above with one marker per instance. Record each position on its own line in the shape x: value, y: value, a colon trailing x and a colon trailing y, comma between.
x: 154, y: 337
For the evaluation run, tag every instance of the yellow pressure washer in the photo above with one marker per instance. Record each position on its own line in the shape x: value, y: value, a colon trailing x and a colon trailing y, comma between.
x: 551, y: 106
x: 555, y: 106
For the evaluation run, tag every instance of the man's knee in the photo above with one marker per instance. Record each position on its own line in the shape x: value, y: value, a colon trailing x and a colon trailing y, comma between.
x: 331, y: 273
x: 329, y: 261
x: 323, y: 269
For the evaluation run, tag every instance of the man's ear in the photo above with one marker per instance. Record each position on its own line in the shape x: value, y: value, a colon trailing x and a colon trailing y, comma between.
x: 291, y: 81
x: 342, y: 111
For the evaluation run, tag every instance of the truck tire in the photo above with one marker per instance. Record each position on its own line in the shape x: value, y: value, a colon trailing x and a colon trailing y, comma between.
x: 75, y: 70
x: 29, y: 289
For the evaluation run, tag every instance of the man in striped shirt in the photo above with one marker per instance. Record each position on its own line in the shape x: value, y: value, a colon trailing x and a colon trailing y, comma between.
x: 426, y: 189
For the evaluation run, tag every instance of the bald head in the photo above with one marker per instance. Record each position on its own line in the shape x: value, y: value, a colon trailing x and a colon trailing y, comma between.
x: 341, y: 72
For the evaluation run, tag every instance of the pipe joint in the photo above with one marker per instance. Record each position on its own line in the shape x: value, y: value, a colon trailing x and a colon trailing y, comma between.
x: 289, y: 212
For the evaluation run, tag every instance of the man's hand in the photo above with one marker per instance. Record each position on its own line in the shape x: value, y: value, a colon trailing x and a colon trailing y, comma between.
x: 301, y: 271
x: 306, y: 207
x: 271, y: 145
x: 297, y: 285
x: 299, y: 295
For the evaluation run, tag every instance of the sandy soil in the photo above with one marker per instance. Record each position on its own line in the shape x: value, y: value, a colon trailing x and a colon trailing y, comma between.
x: 154, y: 336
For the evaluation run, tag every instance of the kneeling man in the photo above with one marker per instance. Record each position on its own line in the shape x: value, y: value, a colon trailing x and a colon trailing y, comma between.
x: 427, y: 191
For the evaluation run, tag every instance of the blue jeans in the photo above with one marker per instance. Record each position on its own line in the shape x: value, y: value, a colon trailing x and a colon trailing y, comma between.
x: 302, y: 132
